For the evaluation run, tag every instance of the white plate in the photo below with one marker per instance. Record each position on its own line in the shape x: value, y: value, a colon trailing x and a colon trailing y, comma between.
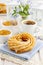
x: 3, y: 14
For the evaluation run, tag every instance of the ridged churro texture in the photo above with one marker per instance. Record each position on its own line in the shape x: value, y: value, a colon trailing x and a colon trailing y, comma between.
x: 22, y: 42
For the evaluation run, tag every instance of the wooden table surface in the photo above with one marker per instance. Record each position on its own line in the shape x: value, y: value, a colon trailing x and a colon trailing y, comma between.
x: 37, y: 59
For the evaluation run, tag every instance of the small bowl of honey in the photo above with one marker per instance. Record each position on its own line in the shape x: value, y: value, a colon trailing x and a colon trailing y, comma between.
x: 4, y: 35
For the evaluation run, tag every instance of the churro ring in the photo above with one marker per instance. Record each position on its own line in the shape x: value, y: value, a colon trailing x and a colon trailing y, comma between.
x: 22, y: 42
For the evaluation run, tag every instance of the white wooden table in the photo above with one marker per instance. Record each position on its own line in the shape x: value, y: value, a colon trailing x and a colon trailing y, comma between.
x: 37, y: 59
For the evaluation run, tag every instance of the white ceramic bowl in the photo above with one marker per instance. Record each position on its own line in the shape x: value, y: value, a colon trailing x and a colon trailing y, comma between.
x: 4, y: 38
x: 29, y: 28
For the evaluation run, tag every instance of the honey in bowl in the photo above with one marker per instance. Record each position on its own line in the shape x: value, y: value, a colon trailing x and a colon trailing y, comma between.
x: 4, y: 32
x: 10, y: 23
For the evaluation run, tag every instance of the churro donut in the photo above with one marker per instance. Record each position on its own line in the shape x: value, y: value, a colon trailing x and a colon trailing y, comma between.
x: 3, y: 8
x: 22, y: 42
